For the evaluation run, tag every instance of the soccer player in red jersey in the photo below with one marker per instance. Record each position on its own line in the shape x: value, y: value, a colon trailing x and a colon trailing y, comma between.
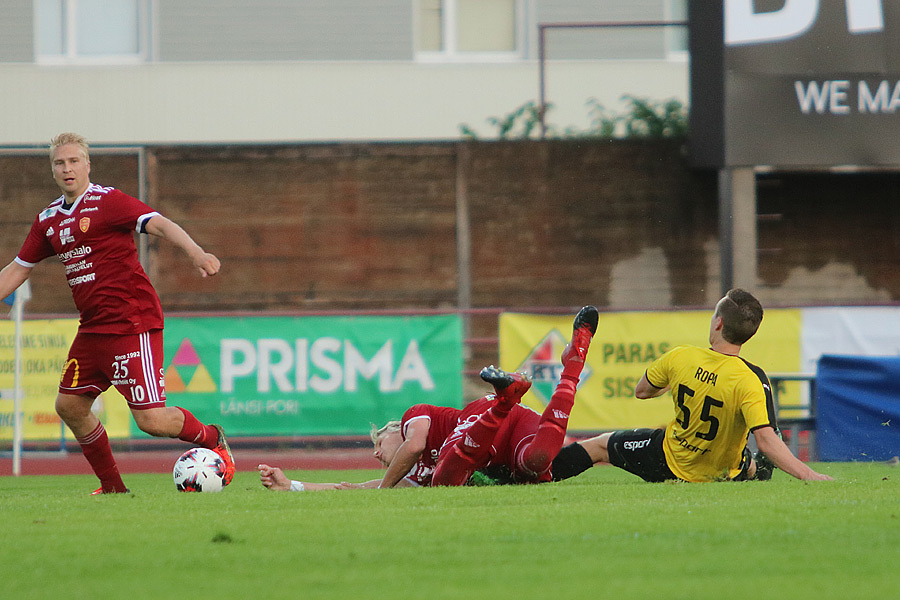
x: 437, y: 445
x: 90, y: 229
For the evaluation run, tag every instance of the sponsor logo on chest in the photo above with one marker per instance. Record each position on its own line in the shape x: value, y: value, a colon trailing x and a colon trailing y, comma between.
x: 65, y: 236
x: 76, y: 253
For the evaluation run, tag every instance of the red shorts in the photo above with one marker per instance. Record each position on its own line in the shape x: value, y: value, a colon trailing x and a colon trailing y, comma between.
x: 513, y: 437
x: 132, y: 363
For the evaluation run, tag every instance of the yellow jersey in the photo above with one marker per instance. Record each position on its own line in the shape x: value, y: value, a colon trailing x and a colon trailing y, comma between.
x: 719, y: 399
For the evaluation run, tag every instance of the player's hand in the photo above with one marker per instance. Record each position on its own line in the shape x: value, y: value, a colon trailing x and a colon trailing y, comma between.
x: 344, y: 485
x: 208, y: 264
x: 273, y: 478
x: 814, y: 476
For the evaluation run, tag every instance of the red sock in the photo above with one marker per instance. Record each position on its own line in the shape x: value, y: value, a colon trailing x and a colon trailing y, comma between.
x: 573, y: 369
x: 195, y: 432
x: 551, y: 432
x: 472, y: 451
x: 98, y: 453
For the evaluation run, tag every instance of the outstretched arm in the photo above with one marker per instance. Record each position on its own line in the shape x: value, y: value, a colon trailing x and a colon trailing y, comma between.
x: 167, y: 229
x: 11, y: 277
x: 275, y: 479
x: 772, y: 446
x: 408, y: 453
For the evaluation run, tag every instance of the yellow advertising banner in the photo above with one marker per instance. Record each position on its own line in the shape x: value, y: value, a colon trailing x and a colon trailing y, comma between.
x: 45, y: 345
x: 625, y: 344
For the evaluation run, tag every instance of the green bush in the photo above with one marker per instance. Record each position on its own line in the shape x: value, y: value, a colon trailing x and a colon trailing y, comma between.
x: 643, y: 118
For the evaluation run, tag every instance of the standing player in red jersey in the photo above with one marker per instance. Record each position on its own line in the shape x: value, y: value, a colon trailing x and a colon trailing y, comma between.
x: 119, y: 342
x: 442, y: 446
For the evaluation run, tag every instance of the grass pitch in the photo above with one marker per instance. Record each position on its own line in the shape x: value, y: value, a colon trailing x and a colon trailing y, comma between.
x: 604, y: 534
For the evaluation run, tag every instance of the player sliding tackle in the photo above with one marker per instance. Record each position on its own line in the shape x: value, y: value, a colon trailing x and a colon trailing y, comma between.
x: 437, y: 445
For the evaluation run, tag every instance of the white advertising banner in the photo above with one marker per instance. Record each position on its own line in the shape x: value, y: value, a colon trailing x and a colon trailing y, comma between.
x: 857, y: 331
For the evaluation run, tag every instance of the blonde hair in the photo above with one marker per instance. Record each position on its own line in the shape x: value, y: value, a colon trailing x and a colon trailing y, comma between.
x: 70, y: 138
x: 389, y: 427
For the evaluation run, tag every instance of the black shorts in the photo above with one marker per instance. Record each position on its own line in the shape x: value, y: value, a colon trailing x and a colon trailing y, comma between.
x: 640, y: 451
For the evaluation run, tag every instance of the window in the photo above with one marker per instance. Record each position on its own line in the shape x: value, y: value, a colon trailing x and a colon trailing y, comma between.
x: 468, y: 29
x: 677, y: 37
x: 87, y: 31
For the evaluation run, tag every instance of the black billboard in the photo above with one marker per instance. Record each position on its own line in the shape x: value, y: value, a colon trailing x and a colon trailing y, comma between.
x: 795, y: 83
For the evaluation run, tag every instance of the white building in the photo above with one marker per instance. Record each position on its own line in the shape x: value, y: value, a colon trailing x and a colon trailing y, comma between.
x: 255, y: 71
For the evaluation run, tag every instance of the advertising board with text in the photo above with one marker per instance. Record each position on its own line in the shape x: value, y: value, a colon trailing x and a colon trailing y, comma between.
x: 45, y: 346
x: 311, y: 375
x: 625, y: 344
x: 795, y: 82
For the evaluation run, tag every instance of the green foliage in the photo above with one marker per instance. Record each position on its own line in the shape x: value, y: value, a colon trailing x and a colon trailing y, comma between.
x: 520, y: 123
x: 603, y: 122
x: 603, y: 532
x: 646, y: 118
x: 643, y: 118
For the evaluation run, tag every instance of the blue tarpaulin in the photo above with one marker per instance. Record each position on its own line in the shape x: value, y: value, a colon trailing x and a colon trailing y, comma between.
x: 858, y: 408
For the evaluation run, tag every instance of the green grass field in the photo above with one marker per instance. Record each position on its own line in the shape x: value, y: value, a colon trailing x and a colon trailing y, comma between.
x: 604, y: 534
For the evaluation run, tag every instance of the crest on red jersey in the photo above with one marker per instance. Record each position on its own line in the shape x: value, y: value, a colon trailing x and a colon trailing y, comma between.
x: 84, y: 224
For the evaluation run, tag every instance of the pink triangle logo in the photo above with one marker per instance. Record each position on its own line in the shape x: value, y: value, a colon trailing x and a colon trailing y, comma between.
x: 186, y: 355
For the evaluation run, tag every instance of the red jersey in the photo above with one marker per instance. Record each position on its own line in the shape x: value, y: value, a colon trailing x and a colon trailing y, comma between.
x: 94, y: 239
x: 444, y: 421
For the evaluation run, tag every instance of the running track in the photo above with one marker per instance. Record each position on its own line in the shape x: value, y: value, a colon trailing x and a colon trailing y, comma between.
x: 161, y: 461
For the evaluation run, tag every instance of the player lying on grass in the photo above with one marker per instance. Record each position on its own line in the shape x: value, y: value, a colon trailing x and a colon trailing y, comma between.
x: 719, y: 399
x: 443, y: 446
x: 90, y: 229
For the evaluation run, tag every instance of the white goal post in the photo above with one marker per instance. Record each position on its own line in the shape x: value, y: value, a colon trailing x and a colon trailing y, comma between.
x: 20, y: 297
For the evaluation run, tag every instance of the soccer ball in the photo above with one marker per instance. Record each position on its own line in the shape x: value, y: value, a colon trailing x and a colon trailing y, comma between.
x: 199, y: 470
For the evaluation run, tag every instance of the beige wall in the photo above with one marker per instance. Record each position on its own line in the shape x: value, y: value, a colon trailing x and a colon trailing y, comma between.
x: 300, y: 102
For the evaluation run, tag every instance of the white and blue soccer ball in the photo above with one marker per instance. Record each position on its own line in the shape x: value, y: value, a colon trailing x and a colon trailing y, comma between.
x: 199, y: 470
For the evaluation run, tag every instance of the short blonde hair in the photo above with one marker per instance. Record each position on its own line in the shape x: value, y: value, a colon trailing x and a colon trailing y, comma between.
x: 389, y: 427
x: 70, y: 138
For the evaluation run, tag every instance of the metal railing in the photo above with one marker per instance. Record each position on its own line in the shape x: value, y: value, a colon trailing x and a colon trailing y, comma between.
x: 795, y: 418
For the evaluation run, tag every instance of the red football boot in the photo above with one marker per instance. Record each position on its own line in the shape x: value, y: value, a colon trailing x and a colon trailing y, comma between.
x: 100, y: 491
x: 224, y: 451
x: 509, y: 387
x: 583, y: 329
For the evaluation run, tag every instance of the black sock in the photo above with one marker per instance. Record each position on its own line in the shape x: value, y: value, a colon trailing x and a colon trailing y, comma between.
x: 571, y: 461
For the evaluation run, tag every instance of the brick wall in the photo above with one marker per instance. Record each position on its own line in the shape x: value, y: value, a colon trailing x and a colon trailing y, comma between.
x: 26, y: 187
x: 620, y: 224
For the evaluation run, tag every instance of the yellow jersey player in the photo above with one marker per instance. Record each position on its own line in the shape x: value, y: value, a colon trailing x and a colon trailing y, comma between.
x: 719, y: 399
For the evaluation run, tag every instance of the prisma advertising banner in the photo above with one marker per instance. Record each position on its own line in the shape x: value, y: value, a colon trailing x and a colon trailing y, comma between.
x: 311, y: 375
x: 803, y: 82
